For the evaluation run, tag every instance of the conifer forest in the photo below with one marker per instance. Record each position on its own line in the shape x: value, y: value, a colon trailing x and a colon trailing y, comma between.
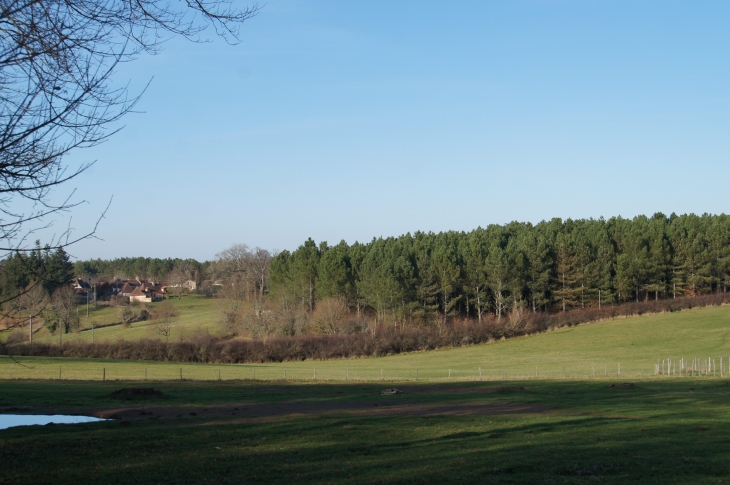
x: 552, y: 266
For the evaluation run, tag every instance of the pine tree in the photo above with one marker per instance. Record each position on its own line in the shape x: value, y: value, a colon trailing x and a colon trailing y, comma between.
x: 565, y: 272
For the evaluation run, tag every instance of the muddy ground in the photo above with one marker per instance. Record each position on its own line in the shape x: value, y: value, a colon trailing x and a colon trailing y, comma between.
x: 416, y: 403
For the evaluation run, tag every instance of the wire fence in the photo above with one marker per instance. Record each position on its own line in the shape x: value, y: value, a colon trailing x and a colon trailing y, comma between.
x: 76, y: 370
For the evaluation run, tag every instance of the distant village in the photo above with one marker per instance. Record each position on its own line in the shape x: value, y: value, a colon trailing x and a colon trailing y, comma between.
x: 132, y: 290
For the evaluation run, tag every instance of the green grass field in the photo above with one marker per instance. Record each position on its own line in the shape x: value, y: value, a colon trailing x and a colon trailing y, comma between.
x: 512, y: 427
x: 579, y: 432
x: 196, y: 314
x: 635, y: 343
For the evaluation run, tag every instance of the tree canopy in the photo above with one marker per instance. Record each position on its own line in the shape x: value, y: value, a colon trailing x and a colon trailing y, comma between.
x: 555, y: 265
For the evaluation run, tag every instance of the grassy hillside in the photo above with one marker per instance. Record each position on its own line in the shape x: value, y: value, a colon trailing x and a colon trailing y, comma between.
x: 195, y: 314
x: 636, y: 343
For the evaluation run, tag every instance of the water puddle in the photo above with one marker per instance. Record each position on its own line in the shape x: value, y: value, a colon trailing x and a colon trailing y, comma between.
x: 12, y: 420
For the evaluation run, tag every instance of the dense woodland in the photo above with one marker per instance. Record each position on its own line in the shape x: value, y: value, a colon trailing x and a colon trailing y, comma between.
x: 148, y: 268
x: 41, y: 268
x: 431, y: 280
x: 420, y: 291
x: 553, y: 266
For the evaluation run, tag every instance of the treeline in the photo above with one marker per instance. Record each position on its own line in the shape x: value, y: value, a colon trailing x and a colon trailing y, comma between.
x: 552, y: 266
x: 41, y: 267
x: 386, y: 341
x: 147, y: 268
x: 35, y: 283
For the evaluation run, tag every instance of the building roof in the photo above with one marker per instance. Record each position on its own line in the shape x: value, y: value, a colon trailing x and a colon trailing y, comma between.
x: 81, y: 283
x: 137, y: 292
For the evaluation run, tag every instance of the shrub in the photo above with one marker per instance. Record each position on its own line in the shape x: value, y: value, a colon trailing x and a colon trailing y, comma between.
x: 130, y: 314
x: 17, y: 336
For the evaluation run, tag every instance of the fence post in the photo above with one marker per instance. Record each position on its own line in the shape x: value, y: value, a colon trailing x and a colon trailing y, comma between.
x: 480, y: 373
x: 381, y: 374
x: 449, y: 373
x: 619, y: 368
x: 284, y: 373
x: 347, y: 373
x: 11, y: 371
x: 145, y: 373
x: 59, y: 372
x: 254, y: 373
x: 181, y: 373
x: 219, y: 374
x: 563, y: 372
x: 593, y: 370
x: 416, y: 373
x: 536, y: 371
x: 315, y: 374
x: 103, y: 374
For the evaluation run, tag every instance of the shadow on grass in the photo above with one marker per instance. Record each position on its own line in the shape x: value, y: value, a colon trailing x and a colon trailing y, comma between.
x: 657, y: 432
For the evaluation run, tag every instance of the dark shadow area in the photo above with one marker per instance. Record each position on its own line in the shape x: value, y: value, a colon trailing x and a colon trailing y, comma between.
x: 657, y: 432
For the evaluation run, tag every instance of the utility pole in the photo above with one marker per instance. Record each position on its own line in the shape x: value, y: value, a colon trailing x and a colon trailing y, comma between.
x: 31, y: 329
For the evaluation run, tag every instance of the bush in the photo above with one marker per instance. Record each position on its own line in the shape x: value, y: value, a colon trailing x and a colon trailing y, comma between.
x: 130, y: 314
x: 18, y: 336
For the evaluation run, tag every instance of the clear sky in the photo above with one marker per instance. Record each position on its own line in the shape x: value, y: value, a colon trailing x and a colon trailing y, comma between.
x: 353, y: 120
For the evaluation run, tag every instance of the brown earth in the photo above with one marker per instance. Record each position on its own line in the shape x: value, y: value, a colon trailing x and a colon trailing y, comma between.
x: 299, y: 408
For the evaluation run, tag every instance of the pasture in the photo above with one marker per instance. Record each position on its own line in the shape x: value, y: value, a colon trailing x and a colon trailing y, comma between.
x: 196, y: 314
x: 508, y: 427
x: 667, y: 430
x: 587, y: 351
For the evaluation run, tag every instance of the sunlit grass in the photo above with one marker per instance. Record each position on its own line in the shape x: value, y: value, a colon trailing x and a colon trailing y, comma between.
x: 196, y: 314
x: 588, y: 351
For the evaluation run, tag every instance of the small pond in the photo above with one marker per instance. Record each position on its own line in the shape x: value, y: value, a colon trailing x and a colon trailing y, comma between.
x: 11, y: 420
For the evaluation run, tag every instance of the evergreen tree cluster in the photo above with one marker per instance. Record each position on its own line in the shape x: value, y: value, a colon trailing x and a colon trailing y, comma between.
x: 552, y: 266
x: 148, y: 268
x: 40, y: 267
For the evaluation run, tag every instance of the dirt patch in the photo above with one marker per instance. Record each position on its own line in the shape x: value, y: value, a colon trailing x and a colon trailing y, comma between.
x: 284, y: 409
x: 137, y: 393
x: 438, y: 389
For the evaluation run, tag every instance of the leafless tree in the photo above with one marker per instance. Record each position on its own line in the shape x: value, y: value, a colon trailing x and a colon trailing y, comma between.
x: 329, y: 316
x: 165, y: 314
x: 57, y: 59
x: 33, y: 302
x: 19, y: 305
x: 239, y: 265
x: 231, y: 302
x: 63, y: 304
x: 183, y: 273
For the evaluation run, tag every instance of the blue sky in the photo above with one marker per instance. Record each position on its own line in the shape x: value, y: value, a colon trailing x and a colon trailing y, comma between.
x: 353, y: 120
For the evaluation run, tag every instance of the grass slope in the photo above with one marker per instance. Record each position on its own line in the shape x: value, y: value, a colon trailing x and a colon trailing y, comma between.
x: 195, y: 314
x: 636, y: 343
